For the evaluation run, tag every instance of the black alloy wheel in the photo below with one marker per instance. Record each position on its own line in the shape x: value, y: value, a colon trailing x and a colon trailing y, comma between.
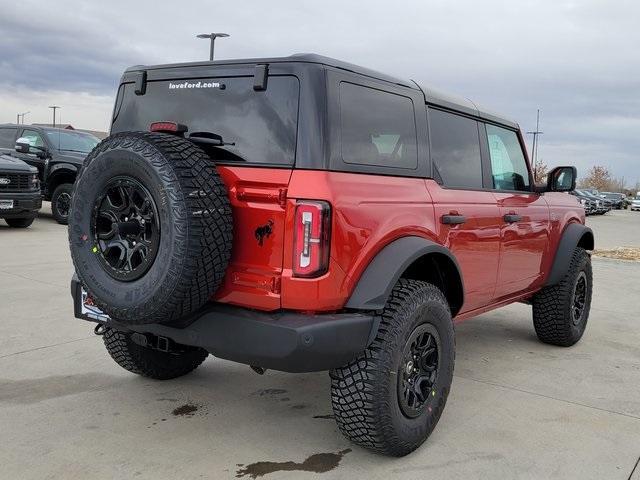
x: 418, y: 371
x: 579, y: 298
x: 125, y: 228
x: 63, y: 204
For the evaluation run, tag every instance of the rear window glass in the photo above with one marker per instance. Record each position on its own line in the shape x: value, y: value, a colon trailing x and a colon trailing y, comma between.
x: 257, y: 127
x: 455, y: 150
x: 378, y: 128
x: 7, y: 137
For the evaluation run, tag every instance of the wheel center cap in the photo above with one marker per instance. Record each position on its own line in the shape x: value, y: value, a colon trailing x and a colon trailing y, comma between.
x: 409, y: 367
x: 131, y: 227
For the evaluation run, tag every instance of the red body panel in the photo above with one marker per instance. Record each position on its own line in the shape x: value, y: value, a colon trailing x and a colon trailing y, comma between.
x: 524, y: 244
x: 258, y: 201
x: 475, y: 244
x: 500, y: 262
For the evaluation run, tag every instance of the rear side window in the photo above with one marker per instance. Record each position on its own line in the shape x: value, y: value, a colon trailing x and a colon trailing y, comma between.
x: 7, y: 137
x: 508, y: 166
x: 258, y: 127
x: 377, y: 127
x: 455, y: 150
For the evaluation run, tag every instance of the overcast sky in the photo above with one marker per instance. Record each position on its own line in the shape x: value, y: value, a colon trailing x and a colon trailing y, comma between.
x: 579, y: 62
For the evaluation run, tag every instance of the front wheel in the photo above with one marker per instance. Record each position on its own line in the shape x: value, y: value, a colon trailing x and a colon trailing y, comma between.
x: 61, y: 203
x: 390, y: 398
x: 561, y: 311
x: 20, y: 222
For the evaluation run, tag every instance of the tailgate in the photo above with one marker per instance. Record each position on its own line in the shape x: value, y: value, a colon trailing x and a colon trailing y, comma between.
x: 258, y: 201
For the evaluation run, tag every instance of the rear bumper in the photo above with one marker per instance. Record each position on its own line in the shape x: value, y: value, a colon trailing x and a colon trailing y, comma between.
x: 24, y: 204
x: 286, y: 341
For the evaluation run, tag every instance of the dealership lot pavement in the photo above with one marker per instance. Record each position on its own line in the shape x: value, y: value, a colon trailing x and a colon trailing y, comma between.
x: 518, y: 408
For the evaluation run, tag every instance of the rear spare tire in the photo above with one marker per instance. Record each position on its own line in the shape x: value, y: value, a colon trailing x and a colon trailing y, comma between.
x: 150, y: 227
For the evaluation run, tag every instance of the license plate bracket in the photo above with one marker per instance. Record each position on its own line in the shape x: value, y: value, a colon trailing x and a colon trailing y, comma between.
x: 89, y: 310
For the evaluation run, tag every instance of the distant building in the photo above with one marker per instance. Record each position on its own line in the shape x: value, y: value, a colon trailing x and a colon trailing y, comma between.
x: 67, y: 126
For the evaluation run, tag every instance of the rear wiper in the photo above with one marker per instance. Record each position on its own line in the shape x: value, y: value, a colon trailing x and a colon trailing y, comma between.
x: 214, y: 140
x: 208, y: 138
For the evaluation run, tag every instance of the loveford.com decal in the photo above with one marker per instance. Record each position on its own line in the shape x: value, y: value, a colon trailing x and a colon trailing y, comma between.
x: 199, y: 84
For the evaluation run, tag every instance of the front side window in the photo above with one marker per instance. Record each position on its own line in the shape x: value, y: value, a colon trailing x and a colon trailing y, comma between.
x: 72, y: 141
x: 455, y: 150
x: 508, y: 165
x: 34, y: 138
x: 378, y: 127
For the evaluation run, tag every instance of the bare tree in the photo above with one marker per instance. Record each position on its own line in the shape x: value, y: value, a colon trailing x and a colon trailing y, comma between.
x: 598, y: 177
x: 540, y: 171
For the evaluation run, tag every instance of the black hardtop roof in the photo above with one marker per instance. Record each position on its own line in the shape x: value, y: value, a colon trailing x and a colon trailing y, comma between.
x: 432, y: 96
x: 44, y: 128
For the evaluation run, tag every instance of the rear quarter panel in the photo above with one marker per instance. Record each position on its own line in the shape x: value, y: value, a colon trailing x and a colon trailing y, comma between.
x: 368, y: 212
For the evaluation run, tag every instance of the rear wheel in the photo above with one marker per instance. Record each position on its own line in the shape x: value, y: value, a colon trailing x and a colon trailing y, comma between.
x: 61, y: 203
x: 561, y: 311
x: 20, y: 222
x: 134, y: 352
x: 390, y: 398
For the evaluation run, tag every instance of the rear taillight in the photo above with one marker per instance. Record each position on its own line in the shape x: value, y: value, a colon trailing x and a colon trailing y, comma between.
x: 312, y: 238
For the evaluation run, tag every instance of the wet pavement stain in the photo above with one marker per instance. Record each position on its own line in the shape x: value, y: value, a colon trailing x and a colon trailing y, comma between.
x: 272, y: 392
x: 34, y: 390
x: 317, y: 463
x: 186, y: 410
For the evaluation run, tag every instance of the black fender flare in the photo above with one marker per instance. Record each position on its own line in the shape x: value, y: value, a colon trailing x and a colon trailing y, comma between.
x: 573, y: 235
x: 379, y: 278
x: 55, y: 169
x: 63, y: 166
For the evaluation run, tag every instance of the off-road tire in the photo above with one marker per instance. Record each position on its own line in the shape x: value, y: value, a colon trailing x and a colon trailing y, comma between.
x: 364, y: 393
x: 195, y: 220
x: 552, y: 306
x: 148, y: 362
x: 59, y: 216
x: 20, y: 222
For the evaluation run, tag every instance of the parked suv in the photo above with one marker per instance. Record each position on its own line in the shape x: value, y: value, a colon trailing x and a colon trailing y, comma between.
x: 590, y: 205
x: 617, y: 199
x: 56, y: 153
x: 602, y: 204
x: 19, y: 192
x: 304, y: 214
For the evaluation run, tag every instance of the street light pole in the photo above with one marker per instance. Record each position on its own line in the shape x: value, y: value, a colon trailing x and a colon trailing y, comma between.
x: 213, y: 37
x: 21, y: 115
x: 534, y: 143
x: 54, y: 108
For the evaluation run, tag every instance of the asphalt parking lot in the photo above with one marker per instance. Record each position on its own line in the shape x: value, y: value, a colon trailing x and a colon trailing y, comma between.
x: 518, y: 408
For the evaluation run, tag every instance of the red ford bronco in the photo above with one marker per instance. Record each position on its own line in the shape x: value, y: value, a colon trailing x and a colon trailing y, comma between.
x: 304, y: 214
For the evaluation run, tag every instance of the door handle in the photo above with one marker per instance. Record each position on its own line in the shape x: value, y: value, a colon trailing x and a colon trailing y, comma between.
x: 453, y: 219
x: 512, y: 218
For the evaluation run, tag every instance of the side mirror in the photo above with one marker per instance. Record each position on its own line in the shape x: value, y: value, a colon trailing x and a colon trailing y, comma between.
x: 23, y: 145
x: 562, y: 179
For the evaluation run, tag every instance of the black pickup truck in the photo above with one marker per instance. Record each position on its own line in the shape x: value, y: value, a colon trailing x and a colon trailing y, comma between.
x: 56, y: 153
x: 20, y: 197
